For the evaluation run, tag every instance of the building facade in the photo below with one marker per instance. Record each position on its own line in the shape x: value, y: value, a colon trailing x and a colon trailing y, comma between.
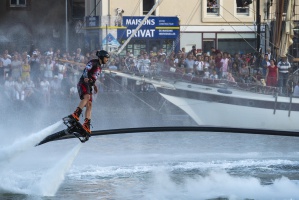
x: 203, y: 23
x: 93, y: 24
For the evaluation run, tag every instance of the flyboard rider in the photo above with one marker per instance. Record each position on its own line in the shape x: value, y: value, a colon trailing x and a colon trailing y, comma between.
x: 86, y: 86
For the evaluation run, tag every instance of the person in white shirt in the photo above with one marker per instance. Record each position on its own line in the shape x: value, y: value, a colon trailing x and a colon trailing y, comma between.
x: 224, y: 67
x: 19, y: 88
x: 6, y: 62
x: 283, y: 69
x: 45, y: 89
x: 143, y: 64
x: 189, y: 64
x: 199, y: 65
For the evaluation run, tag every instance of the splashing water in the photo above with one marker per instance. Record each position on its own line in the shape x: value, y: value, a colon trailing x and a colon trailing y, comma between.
x: 51, y: 180
x: 30, y: 183
x: 9, y: 152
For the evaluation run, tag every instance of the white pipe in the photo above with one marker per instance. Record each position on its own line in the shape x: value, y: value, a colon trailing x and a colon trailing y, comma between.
x: 139, y: 26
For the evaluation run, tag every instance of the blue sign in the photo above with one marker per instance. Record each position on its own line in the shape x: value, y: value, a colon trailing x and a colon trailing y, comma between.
x: 152, y: 28
x: 110, y: 40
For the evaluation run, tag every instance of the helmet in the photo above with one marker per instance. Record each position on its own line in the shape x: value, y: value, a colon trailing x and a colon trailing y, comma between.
x: 102, y: 53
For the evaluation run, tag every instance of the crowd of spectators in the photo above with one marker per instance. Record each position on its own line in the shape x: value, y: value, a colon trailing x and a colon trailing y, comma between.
x: 40, y: 77
x: 50, y: 75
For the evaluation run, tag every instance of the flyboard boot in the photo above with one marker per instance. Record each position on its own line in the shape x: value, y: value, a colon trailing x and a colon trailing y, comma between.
x: 86, y: 125
x: 76, y: 114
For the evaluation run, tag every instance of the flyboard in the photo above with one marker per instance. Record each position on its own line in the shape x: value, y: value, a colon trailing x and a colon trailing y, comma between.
x: 73, y: 128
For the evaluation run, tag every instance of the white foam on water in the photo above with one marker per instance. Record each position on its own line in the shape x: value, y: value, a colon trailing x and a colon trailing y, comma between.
x: 220, y: 184
x: 22, y: 144
x: 166, y: 181
x: 109, y: 171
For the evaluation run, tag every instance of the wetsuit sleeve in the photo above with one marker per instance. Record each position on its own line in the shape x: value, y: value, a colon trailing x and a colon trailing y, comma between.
x: 88, y: 67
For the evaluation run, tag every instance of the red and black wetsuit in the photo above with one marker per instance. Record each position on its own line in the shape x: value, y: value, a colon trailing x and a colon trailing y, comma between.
x: 92, y: 71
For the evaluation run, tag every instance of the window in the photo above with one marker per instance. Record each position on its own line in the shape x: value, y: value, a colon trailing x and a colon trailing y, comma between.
x: 147, y: 6
x: 243, y: 6
x: 17, y: 3
x: 213, y: 7
x: 234, y: 45
x: 78, y: 9
x: 243, y: 10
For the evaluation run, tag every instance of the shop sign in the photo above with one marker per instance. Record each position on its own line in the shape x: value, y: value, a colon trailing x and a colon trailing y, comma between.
x: 153, y: 27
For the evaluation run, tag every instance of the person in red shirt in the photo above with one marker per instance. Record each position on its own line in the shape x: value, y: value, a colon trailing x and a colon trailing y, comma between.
x: 85, y: 86
x: 272, y: 74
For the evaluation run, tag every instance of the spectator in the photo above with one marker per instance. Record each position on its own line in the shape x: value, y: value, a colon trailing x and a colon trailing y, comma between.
x: 218, y: 64
x: 25, y: 69
x: 16, y: 67
x: 55, y: 87
x: 35, y: 66
x: 45, y: 90
x: 143, y: 64
x: 230, y: 77
x: 112, y: 65
x: 61, y: 70
x: 244, y: 73
x: 28, y: 87
x: 224, y: 67
x: 214, y: 75
x: 6, y: 63
x: 283, y: 68
x: 189, y: 64
x: 49, y: 67
x: 206, y: 73
x: 235, y: 70
x: 193, y: 50
x: 19, y: 88
x: 214, y: 51
x: 269, y: 53
x: 265, y: 64
x: 57, y: 54
x: 199, y: 65
x: 206, y: 62
x: 50, y: 52
x: 272, y: 74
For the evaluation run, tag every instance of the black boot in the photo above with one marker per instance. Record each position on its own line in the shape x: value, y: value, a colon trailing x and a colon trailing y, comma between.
x: 86, y: 125
x: 77, y: 113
